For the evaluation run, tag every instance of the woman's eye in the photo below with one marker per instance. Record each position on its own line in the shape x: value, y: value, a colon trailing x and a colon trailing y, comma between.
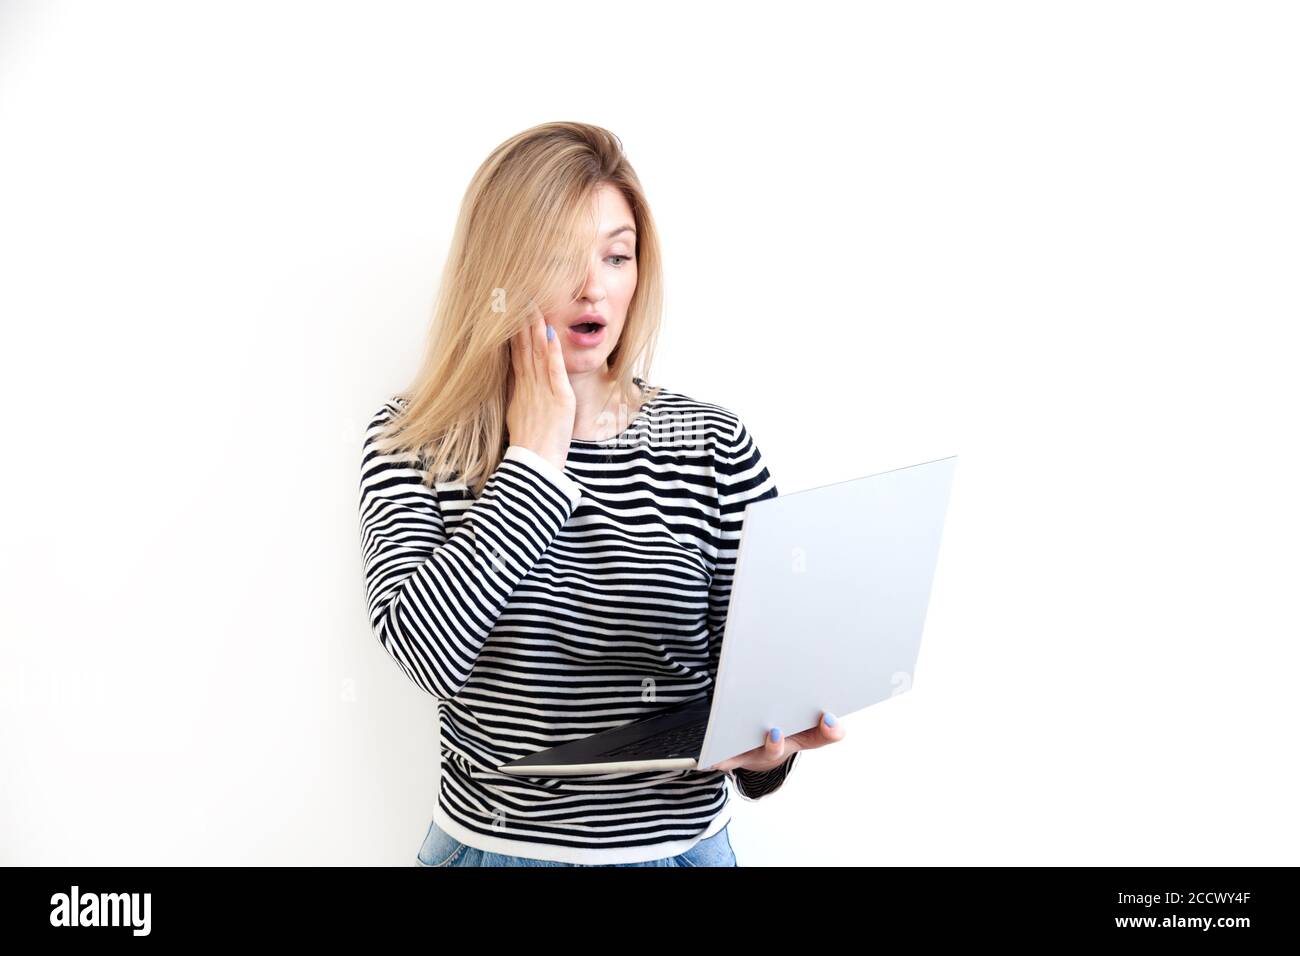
x: 616, y: 256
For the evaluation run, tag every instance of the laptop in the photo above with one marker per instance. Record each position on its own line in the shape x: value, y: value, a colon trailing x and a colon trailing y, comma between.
x: 828, y: 602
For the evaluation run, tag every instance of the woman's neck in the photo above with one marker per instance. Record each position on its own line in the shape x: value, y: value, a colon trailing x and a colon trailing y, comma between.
x: 603, y: 408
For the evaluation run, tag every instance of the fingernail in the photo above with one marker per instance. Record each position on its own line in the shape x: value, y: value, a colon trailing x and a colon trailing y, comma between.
x: 776, y: 734
x: 830, y: 720
x: 550, y: 333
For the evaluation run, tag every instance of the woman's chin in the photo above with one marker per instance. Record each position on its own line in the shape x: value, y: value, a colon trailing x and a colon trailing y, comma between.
x: 581, y: 364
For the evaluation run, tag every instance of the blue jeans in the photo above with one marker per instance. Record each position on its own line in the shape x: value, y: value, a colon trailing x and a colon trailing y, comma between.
x: 442, y: 849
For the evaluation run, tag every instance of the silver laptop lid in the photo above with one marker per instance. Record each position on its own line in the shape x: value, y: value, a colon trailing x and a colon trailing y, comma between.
x: 828, y: 603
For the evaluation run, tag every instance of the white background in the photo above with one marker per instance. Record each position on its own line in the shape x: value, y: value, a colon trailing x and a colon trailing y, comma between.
x: 1058, y: 240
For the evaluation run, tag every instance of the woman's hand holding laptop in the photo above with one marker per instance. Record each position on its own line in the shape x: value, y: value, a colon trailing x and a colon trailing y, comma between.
x: 776, y: 749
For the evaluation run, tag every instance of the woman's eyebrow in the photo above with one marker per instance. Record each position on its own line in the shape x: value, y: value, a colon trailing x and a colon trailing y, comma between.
x: 611, y: 235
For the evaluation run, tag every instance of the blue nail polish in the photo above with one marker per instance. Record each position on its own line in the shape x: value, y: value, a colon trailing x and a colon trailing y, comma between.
x: 830, y: 720
x: 776, y: 734
x: 550, y: 333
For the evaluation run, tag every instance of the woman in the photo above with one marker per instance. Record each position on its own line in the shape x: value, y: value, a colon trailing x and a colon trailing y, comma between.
x: 549, y: 540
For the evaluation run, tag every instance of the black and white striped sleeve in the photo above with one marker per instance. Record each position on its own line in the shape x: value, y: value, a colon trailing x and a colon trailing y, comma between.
x: 434, y: 597
x: 742, y: 477
x: 756, y: 784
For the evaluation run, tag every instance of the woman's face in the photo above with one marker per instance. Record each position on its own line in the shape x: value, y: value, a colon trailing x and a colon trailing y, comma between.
x: 611, y: 280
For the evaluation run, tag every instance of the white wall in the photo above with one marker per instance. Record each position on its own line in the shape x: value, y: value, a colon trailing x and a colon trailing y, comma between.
x: 1057, y: 241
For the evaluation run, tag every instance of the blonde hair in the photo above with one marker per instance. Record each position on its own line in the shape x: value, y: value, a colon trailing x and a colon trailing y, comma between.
x: 524, y: 234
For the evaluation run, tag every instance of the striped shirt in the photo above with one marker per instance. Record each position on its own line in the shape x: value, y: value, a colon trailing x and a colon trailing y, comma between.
x: 560, y: 603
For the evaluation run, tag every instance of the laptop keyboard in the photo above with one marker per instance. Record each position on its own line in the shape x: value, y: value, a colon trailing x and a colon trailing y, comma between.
x: 684, y: 741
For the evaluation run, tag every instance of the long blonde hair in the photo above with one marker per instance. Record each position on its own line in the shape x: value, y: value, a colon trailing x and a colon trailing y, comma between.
x: 525, y: 231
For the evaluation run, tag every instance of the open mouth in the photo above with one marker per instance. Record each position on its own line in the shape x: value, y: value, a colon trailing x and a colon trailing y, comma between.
x: 587, y: 327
